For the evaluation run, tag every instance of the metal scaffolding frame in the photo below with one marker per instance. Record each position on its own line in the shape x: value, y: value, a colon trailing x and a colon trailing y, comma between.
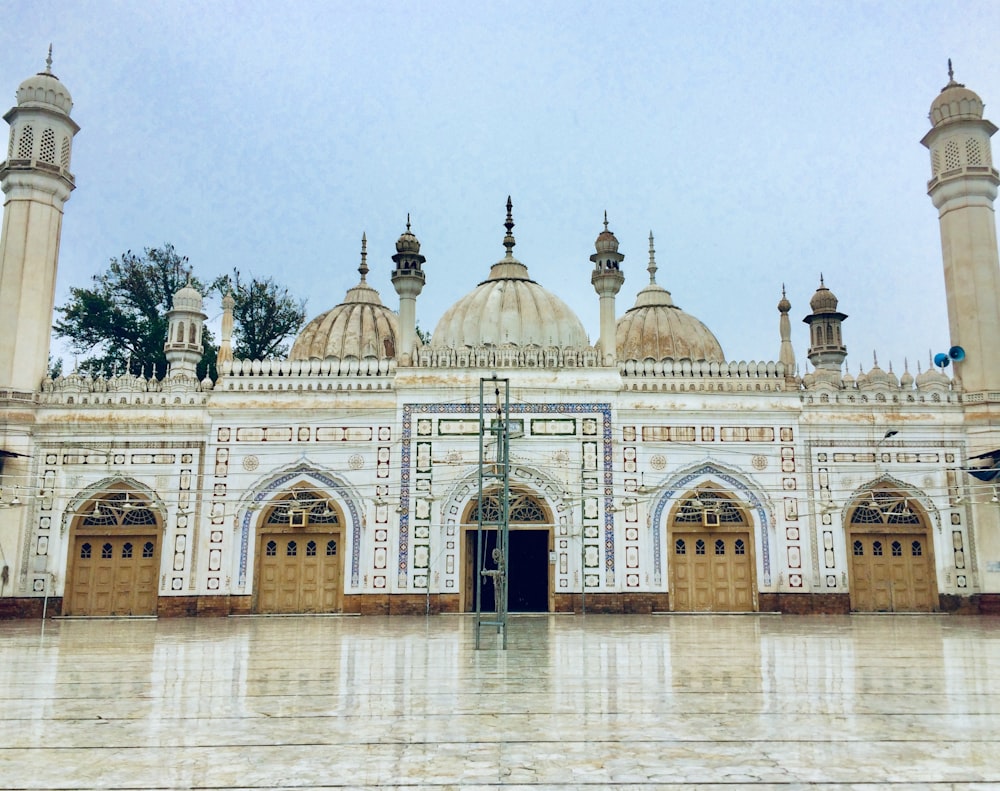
x: 494, y: 480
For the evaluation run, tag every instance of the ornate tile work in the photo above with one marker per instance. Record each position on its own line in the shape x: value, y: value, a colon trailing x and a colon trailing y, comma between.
x: 278, y: 483
x: 604, y: 410
x: 735, y: 483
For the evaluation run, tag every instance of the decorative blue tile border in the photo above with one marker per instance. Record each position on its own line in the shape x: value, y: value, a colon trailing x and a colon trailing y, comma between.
x: 277, y: 483
x: 736, y: 483
x: 604, y: 410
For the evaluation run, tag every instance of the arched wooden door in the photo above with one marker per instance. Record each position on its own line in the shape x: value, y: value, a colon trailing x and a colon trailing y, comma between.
x: 299, y: 558
x: 891, y: 554
x: 114, y: 556
x: 711, y: 551
x: 529, y: 573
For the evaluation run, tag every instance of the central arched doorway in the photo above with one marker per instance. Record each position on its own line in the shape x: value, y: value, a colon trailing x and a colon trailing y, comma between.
x: 114, y: 556
x: 299, y: 566
x: 711, y: 554
x: 892, y: 562
x: 529, y: 572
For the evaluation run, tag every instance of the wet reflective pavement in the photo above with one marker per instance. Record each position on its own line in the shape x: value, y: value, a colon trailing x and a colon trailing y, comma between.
x: 760, y: 701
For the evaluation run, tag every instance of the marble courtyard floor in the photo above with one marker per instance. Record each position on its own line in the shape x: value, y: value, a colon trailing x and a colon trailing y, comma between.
x: 761, y: 701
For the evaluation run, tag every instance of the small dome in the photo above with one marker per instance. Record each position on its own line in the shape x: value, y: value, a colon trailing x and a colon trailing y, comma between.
x: 45, y: 90
x: 655, y: 327
x: 906, y: 380
x: 606, y: 241
x: 955, y: 103
x: 360, y: 326
x: 188, y: 298
x: 824, y: 300
x: 783, y: 304
x: 407, y: 242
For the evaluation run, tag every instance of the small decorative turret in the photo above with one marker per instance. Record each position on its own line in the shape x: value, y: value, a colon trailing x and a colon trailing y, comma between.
x: 408, y: 279
x: 225, y: 354
x: 786, y: 354
x: 185, y: 321
x: 826, y: 349
x: 607, y: 279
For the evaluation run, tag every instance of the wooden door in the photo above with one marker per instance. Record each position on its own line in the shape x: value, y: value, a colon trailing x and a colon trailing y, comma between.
x: 112, y: 575
x: 298, y: 572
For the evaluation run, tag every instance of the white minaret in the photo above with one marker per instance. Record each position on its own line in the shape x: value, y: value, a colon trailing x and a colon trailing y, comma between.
x: 963, y: 187
x: 607, y: 279
x: 36, y: 182
x: 408, y: 280
x: 185, y: 321
x: 786, y: 354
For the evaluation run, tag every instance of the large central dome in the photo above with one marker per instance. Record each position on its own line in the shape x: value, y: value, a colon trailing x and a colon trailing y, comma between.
x: 509, y: 308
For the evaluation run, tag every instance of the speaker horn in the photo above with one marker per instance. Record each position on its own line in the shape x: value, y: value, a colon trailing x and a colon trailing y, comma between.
x: 941, y: 360
x: 957, y: 353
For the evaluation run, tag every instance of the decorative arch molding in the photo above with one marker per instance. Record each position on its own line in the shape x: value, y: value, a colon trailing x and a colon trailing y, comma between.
x: 908, y: 490
x: 691, y: 476
x: 538, y: 483
x: 276, y: 484
x: 108, y: 484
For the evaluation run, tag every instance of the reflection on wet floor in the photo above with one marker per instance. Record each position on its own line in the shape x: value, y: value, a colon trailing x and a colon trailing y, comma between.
x: 595, y: 701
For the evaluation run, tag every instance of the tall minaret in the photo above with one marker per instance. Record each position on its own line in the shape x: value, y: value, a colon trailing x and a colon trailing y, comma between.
x: 607, y: 279
x: 36, y: 182
x: 408, y: 279
x: 963, y: 187
x: 826, y: 344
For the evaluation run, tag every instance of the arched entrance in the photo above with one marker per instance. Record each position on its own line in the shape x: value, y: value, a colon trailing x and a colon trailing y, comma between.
x: 892, y: 562
x: 114, y: 556
x: 711, y: 551
x: 299, y: 565
x: 529, y: 575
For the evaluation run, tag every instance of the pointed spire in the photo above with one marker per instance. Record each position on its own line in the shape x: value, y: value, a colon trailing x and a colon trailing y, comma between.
x: 875, y: 357
x: 48, y: 61
x: 363, y: 268
x: 605, y: 219
x: 408, y: 222
x: 652, y: 261
x: 821, y: 283
x: 508, y: 240
x: 951, y: 72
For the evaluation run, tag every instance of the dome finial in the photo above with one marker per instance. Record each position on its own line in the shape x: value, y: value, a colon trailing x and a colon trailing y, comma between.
x: 652, y: 261
x: 48, y: 61
x: 407, y: 222
x: 605, y: 219
x: 363, y: 268
x: 508, y: 240
x: 951, y: 72
x: 821, y: 283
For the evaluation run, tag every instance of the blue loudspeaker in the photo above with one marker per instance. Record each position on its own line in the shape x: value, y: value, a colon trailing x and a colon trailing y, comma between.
x: 941, y: 360
x: 957, y: 353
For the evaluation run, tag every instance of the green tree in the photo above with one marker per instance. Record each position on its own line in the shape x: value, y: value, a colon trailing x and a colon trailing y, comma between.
x: 121, y: 320
x: 265, y: 315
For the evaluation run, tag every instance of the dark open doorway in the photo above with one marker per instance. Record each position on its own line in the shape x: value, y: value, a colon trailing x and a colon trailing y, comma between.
x: 528, y: 572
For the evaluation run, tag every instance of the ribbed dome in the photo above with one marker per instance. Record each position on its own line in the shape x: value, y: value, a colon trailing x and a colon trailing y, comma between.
x: 45, y: 90
x: 955, y: 103
x: 188, y: 298
x: 655, y: 327
x: 360, y: 326
x: 824, y: 300
x: 509, y: 307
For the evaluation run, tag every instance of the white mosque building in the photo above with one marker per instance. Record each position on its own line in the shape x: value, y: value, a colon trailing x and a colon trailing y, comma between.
x: 647, y: 472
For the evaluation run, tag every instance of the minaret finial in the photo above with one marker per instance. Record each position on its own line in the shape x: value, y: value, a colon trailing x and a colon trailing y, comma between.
x: 783, y: 296
x: 821, y: 283
x: 605, y: 219
x: 508, y: 240
x: 407, y: 222
x: 951, y: 72
x: 652, y: 260
x: 363, y: 269
x: 48, y: 61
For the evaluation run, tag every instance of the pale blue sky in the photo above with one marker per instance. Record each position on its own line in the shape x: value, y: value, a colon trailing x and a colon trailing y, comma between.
x: 761, y: 143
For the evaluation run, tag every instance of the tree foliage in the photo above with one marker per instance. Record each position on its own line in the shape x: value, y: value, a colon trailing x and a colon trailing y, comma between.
x: 265, y: 315
x: 121, y: 320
